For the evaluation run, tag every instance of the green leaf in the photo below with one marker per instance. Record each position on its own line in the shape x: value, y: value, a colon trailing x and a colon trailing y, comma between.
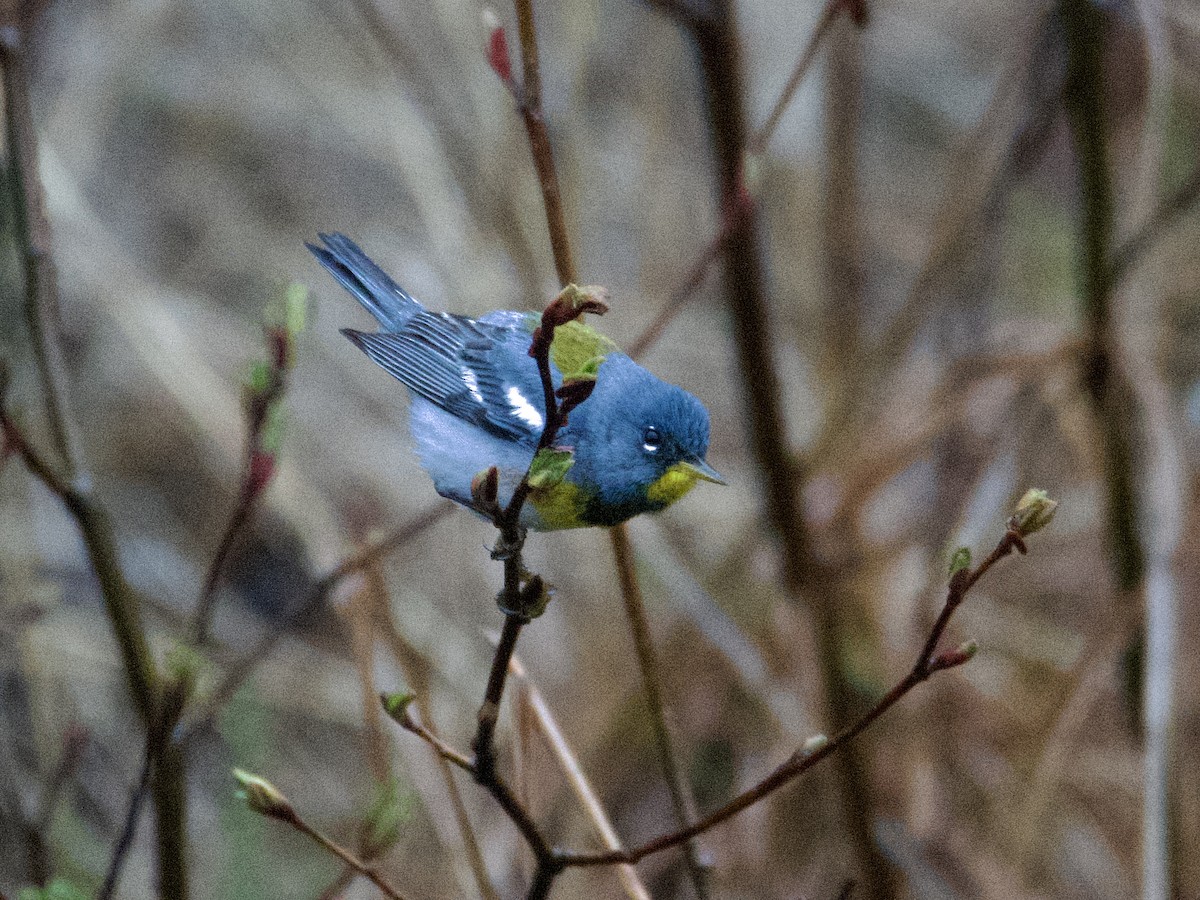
x: 549, y: 468
x: 260, y: 377
x: 960, y: 559
x: 274, y: 426
x: 388, y: 811
x: 57, y: 889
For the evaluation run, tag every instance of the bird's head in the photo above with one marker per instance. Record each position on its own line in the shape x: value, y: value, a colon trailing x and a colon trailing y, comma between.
x: 640, y: 442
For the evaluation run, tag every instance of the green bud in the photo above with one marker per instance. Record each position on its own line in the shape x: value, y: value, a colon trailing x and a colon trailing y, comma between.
x: 968, y: 649
x: 274, y: 426
x: 960, y: 559
x: 259, y: 378
x: 381, y: 825
x: 262, y: 796
x: 1035, y: 510
x: 549, y: 468
x: 295, y: 303
x: 813, y: 744
x: 396, y: 705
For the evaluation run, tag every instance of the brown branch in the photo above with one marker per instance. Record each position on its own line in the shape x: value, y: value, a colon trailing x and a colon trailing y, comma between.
x: 553, y: 736
x: 529, y: 101
x: 1126, y: 258
x: 746, y: 296
x: 698, y: 271
x: 547, y: 857
x: 857, y: 10
x: 817, y: 750
x: 33, y: 233
x: 237, y: 673
x: 258, y: 468
x: 362, y: 868
x: 682, y: 800
x: 415, y: 668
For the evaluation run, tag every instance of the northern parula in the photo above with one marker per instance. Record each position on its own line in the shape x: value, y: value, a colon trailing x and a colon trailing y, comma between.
x: 637, y: 444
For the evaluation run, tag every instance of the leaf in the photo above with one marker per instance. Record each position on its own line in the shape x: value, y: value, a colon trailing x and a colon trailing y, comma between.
x: 549, y: 468
x: 381, y: 825
x: 960, y: 559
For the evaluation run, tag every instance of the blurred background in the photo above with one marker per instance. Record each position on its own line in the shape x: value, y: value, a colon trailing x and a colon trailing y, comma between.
x: 919, y: 218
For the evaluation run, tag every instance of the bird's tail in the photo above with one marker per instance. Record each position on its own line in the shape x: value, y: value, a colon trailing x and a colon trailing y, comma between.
x: 389, y: 303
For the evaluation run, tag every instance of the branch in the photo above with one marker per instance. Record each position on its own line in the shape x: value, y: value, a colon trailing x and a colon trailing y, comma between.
x: 264, y: 397
x: 237, y: 673
x: 264, y: 798
x: 33, y: 233
x: 804, y: 579
x: 1033, y: 513
x: 682, y: 800
x: 857, y: 10
x: 1126, y: 258
x: 397, y: 706
x: 756, y: 146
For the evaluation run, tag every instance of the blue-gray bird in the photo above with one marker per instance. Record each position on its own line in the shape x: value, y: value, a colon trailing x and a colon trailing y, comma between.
x: 637, y: 444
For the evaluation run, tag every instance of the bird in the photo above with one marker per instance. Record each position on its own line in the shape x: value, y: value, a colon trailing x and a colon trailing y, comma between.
x: 636, y: 445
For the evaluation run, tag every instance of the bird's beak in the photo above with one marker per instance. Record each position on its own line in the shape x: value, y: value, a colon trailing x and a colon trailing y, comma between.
x: 701, y: 470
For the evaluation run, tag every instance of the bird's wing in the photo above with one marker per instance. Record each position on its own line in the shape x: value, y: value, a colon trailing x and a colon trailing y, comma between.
x: 477, y: 371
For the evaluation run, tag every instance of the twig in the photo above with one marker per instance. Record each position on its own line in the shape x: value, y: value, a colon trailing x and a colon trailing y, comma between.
x: 567, y: 761
x: 1126, y: 258
x: 745, y: 288
x: 683, y: 295
x: 33, y: 233
x: 237, y: 673
x: 682, y: 800
x: 258, y: 467
x: 1084, y: 28
x: 415, y: 669
x: 145, y: 682
x: 857, y: 10
x: 820, y: 749
x: 362, y: 868
x: 757, y: 145
x: 547, y: 858
x: 132, y: 814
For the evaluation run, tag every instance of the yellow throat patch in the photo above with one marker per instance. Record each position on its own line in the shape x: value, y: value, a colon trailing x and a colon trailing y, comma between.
x: 672, y: 484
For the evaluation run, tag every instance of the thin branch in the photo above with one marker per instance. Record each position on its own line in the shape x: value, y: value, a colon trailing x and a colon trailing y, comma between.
x: 569, y: 764
x: 258, y: 467
x: 415, y: 668
x: 857, y: 10
x: 1126, y: 258
x: 33, y: 234
x: 494, y: 784
x: 782, y: 481
x: 237, y: 673
x: 682, y: 800
x: 133, y: 814
x: 530, y: 104
x: 820, y: 749
x: 698, y: 271
x: 352, y: 861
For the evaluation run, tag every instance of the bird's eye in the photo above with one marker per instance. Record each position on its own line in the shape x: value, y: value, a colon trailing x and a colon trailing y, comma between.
x: 651, y: 440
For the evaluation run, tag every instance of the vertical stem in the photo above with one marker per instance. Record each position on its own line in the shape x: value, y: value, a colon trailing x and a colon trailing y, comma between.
x: 680, y: 791
x: 33, y: 233
x: 1084, y: 27
x: 1112, y: 397
x: 745, y: 287
x: 539, y: 143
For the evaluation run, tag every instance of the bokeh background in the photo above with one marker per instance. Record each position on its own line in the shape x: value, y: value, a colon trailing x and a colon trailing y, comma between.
x: 919, y: 223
